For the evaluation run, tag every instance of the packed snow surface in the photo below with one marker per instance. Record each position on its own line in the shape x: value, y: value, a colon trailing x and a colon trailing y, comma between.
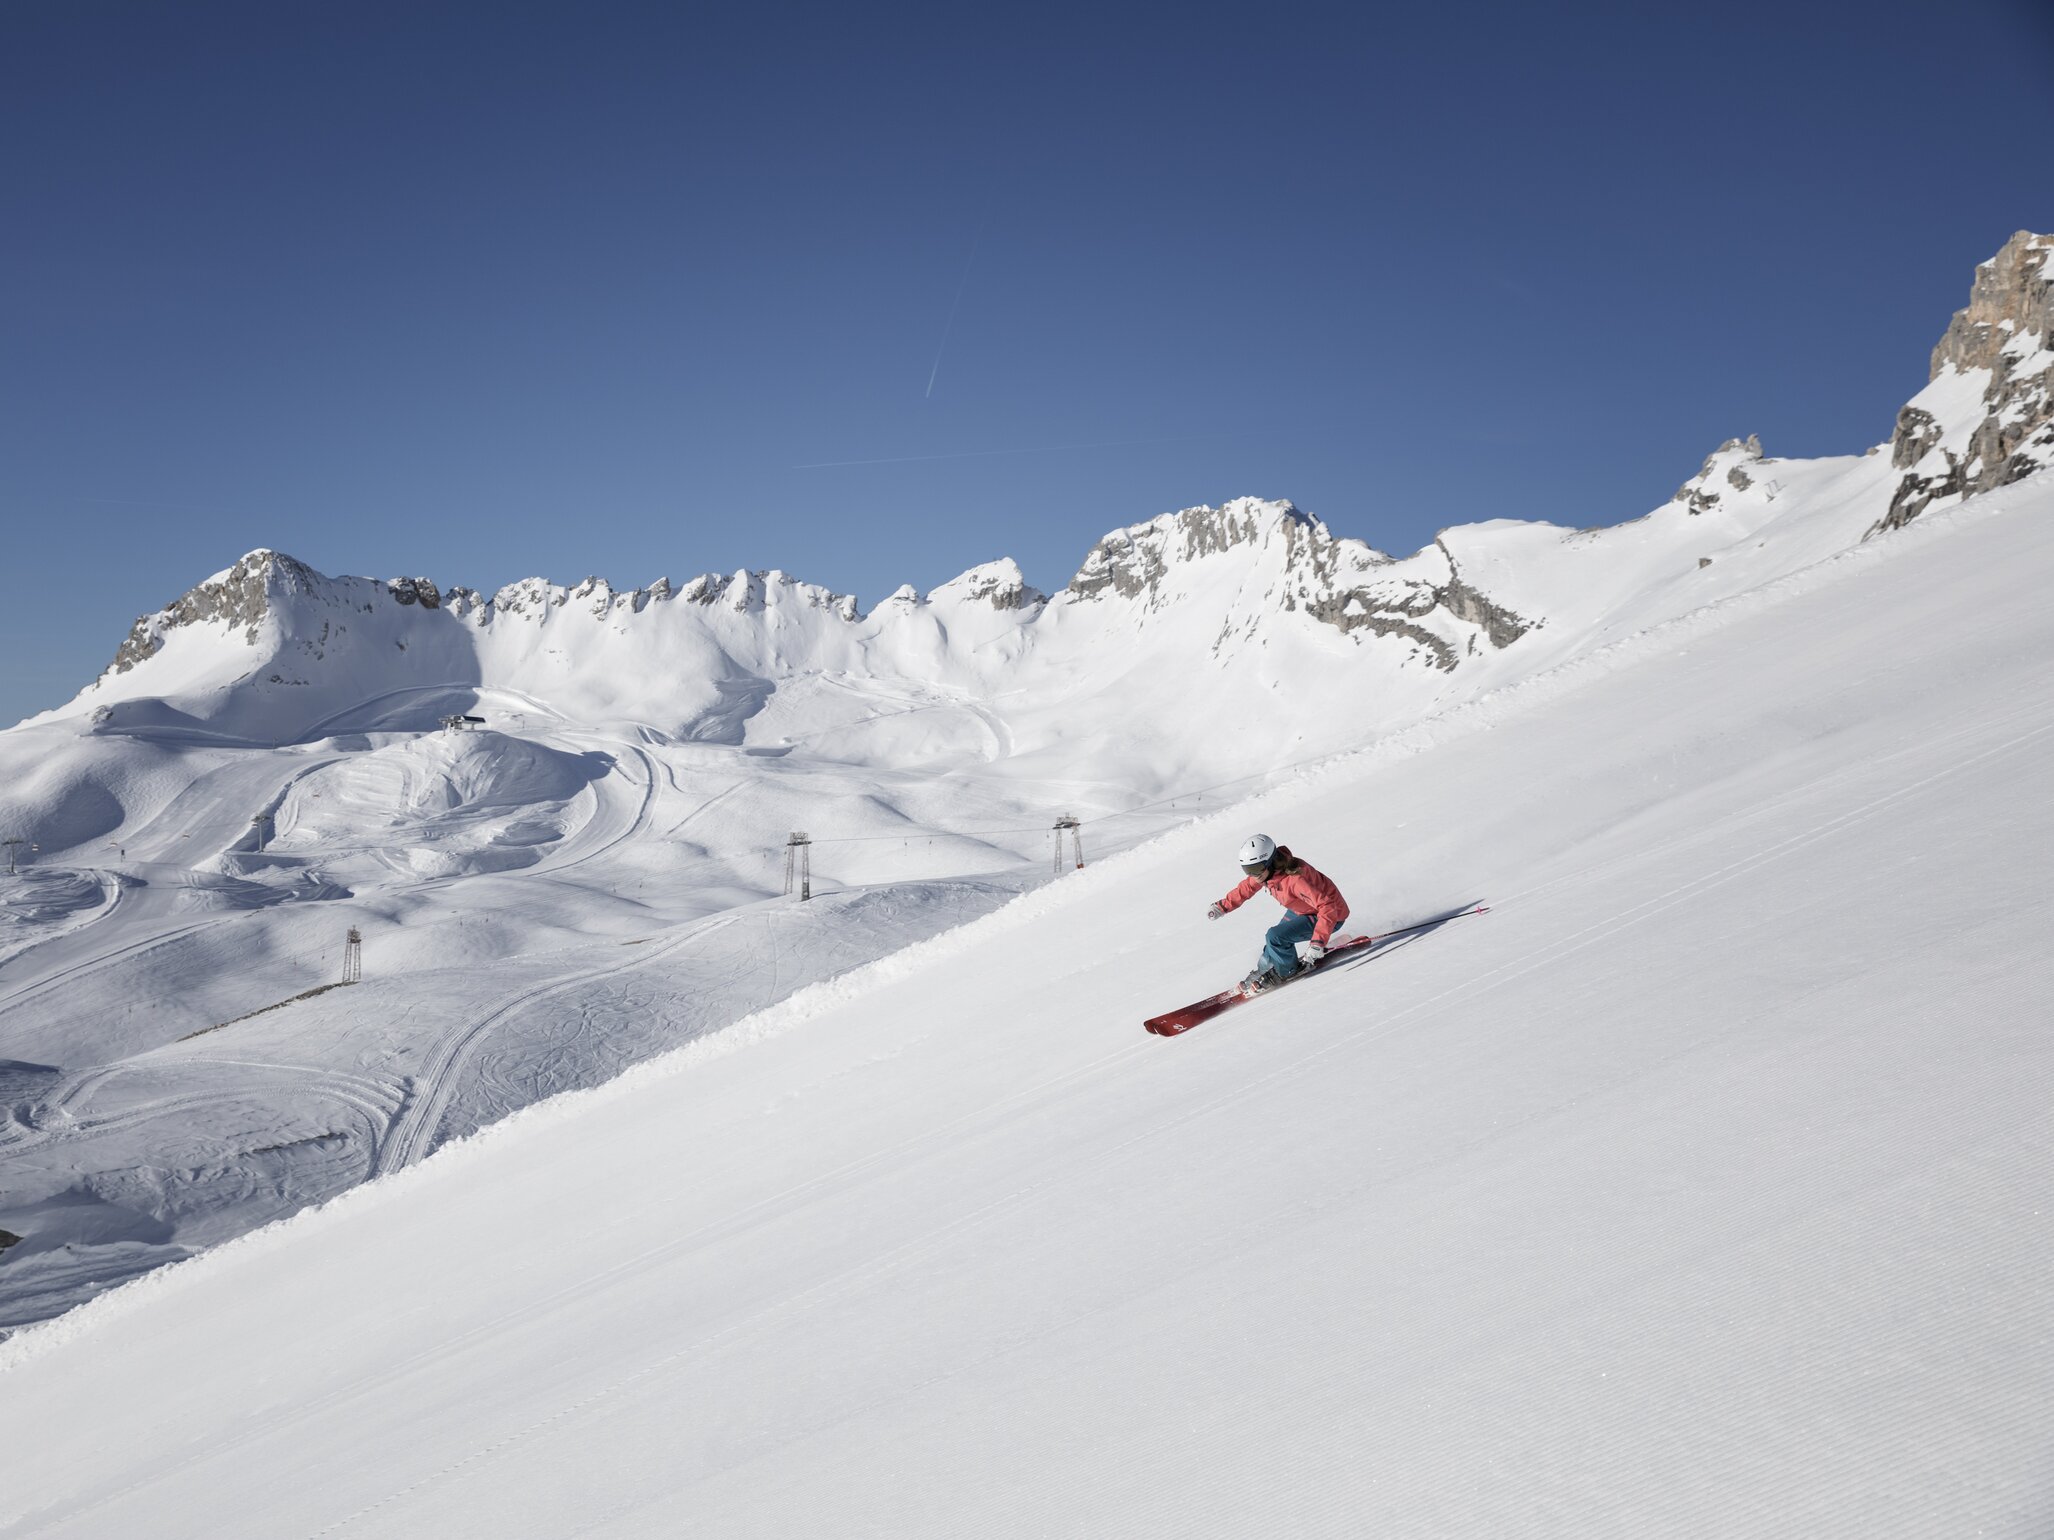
x: 1699, y: 1188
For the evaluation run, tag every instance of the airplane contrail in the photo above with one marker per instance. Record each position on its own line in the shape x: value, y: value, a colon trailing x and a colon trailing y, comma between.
x: 950, y: 325
x: 1030, y: 449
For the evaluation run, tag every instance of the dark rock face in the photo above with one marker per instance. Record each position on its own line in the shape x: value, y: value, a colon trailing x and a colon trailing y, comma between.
x: 1131, y: 562
x: 239, y: 598
x: 1500, y: 626
x: 1346, y: 612
x: 1918, y: 430
x: 2013, y: 294
x: 1117, y: 565
x: 2008, y: 331
x: 1382, y: 612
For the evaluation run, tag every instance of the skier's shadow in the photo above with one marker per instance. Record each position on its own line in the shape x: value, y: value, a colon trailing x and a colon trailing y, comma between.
x: 1397, y: 940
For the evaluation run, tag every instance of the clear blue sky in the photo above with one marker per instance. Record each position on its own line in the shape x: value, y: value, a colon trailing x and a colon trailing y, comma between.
x: 483, y: 291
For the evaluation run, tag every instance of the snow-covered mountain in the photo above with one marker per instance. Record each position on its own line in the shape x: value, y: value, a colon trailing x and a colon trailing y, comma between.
x: 1237, y: 598
x: 596, y: 875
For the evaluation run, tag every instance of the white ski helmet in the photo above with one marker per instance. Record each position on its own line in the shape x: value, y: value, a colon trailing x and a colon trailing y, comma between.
x: 1256, y: 852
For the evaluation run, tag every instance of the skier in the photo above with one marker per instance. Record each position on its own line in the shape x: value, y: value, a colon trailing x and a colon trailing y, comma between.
x: 1315, y: 904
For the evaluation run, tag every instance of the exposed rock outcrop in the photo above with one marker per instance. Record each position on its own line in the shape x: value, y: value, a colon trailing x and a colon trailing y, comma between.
x: 2003, y: 341
x: 239, y: 598
x: 746, y: 592
x: 1338, y: 582
x: 415, y: 590
x: 2013, y: 295
x: 1727, y: 465
x: 999, y: 584
x: 1132, y: 562
x: 1500, y: 626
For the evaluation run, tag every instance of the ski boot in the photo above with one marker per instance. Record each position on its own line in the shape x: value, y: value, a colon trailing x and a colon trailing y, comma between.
x: 1261, y: 977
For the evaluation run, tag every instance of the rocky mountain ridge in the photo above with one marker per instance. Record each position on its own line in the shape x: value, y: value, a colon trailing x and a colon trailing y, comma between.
x: 1202, y: 582
x: 1304, y: 567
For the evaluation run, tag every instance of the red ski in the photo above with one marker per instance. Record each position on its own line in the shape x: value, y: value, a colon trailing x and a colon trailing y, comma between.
x: 1204, y: 1010
x: 1172, y: 1022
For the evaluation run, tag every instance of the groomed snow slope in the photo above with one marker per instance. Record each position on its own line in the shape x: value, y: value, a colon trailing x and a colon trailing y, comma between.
x: 1697, y: 1190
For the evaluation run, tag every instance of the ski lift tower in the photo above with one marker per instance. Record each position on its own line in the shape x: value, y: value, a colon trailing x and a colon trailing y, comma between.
x: 799, y: 864
x: 1069, y: 821
x: 353, y: 957
x: 12, y: 846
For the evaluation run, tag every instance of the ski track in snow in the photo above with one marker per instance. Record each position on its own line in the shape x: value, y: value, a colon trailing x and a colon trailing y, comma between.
x: 111, y: 889
x: 608, y: 841
x: 702, y: 808
x: 123, y: 951
x: 412, y: 1134
x: 373, y: 1099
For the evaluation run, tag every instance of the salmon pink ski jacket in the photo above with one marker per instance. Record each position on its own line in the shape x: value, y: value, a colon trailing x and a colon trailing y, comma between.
x: 1302, y: 891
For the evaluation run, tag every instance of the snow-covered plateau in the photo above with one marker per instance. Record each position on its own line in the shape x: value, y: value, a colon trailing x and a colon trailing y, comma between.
x: 1698, y: 1188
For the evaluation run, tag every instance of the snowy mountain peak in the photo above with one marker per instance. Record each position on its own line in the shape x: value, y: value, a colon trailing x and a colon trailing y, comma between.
x: 1131, y: 562
x: 1729, y: 467
x: 1000, y: 584
x: 1287, y: 560
x: 2011, y: 300
x: 1986, y: 418
x: 237, y: 600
